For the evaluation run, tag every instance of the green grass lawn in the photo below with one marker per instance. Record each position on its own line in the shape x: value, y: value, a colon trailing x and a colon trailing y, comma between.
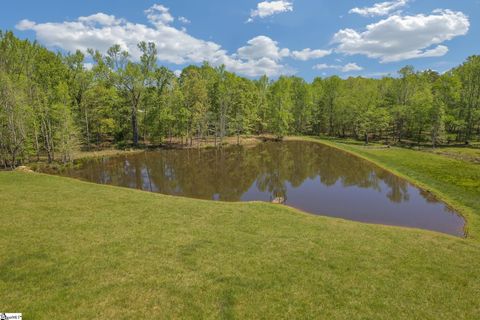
x: 74, y: 250
x: 465, y: 154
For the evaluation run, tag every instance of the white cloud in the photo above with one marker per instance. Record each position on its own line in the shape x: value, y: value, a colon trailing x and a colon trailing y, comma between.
x: 100, y: 31
x: 25, y: 24
x: 349, y: 67
x: 254, y: 68
x: 159, y: 15
x: 309, y: 54
x: 323, y: 66
x: 261, y: 54
x: 262, y: 47
x: 380, y: 9
x: 269, y: 8
x: 184, y: 20
x: 101, y: 19
x: 437, y: 51
x: 398, y: 38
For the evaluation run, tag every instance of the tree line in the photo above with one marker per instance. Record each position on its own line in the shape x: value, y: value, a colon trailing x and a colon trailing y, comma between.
x: 52, y: 104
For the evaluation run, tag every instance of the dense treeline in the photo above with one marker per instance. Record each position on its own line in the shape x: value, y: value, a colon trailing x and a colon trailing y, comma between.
x: 51, y: 104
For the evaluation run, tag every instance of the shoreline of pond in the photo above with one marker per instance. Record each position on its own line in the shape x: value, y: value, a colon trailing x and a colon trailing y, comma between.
x: 121, y: 169
x: 466, y: 212
x: 463, y: 211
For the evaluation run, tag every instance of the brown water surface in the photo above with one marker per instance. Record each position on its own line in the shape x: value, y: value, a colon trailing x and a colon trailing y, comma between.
x: 308, y: 176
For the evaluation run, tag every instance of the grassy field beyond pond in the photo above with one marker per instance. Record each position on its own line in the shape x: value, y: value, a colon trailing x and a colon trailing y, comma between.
x: 74, y: 250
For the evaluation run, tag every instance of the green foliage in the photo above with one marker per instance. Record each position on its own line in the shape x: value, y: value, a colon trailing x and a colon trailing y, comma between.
x: 469, y: 74
x: 280, y: 117
x: 122, y: 100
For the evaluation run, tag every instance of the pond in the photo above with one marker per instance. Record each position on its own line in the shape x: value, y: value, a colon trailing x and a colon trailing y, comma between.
x: 309, y: 176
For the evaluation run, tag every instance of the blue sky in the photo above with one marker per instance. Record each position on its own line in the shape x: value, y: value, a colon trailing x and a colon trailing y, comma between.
x: 307, y: 38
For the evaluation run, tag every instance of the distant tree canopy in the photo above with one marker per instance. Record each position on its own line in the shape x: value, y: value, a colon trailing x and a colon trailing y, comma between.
x: 51, y: 104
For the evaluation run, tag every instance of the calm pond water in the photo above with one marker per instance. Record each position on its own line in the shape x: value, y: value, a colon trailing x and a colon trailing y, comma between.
x: 309, y: 176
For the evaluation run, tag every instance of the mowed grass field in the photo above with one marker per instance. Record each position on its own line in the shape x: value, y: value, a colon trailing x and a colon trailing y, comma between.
x: 74, y: 250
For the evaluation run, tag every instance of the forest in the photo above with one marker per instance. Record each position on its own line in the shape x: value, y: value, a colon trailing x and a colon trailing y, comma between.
x: 52, y: 104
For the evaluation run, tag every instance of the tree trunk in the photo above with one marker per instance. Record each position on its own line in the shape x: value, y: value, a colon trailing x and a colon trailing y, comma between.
x: 145, y: 128
x: 134, y: 125
x: 87, y: 127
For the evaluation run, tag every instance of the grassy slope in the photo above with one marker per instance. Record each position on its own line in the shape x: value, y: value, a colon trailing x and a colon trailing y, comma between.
x: 465, y: 154
x: 71, y: 250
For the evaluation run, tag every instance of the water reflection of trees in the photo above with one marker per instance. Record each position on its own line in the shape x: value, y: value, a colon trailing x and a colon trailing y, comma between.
x: 227, y: 174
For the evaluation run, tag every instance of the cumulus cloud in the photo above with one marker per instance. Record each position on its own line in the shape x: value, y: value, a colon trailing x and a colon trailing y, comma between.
x: 380, y: 9
x: 398, y: 38
x: 100, y: 31
x: 349, y: 67
x: 270, y: 8
x: 159, y: 15
x: 309, y: 54
x: 101, y: 19
x: 262, y: 47
x: 261, y: 54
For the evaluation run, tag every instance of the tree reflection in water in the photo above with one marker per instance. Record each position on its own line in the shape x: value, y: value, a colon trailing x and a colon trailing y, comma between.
x: 309, y: 176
